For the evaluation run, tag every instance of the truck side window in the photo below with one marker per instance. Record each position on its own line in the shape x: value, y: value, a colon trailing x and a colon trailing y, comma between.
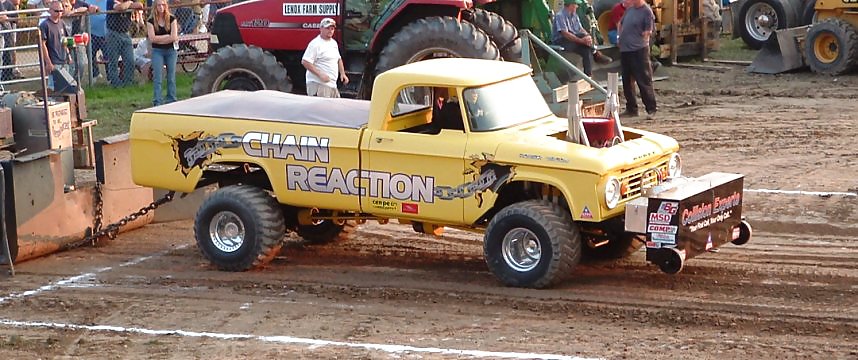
x: 412, y: 99
x: 412, y: 111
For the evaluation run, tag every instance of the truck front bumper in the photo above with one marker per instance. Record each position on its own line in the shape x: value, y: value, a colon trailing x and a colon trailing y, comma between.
x: 685, y: 217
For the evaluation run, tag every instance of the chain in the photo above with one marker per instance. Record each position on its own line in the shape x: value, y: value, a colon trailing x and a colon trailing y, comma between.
x: 111, y: 230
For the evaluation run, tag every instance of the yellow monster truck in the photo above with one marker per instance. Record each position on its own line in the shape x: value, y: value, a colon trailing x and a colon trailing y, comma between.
x: 461, y: 143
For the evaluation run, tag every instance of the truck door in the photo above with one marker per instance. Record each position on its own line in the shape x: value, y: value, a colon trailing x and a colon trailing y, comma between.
x: 410, y: 168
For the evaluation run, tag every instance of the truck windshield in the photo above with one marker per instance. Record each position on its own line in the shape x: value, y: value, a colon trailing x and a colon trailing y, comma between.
x: 505, y: 104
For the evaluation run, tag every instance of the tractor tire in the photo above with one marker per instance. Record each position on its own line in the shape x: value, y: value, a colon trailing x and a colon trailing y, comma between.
x: 808, y: 13
x: 620, y: 247
x: 326, y: 231
x: 240, y: 67
x: 433, y: 37
x: 831, y: 47
x: 239, y: 227
x: 502, y: 32
x: 758, y: 19
x: 532, y: 244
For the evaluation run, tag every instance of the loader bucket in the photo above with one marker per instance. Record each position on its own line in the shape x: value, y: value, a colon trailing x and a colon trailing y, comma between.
x: 781, y: 52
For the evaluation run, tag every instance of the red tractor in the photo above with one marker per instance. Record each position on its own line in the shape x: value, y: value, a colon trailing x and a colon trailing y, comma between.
x: 258, y: 44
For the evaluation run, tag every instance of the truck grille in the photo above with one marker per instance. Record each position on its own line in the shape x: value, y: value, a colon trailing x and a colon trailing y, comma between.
x: 638, y: 179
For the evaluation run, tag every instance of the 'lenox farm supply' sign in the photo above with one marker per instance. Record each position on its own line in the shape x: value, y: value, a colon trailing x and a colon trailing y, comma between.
x: 311, y: 9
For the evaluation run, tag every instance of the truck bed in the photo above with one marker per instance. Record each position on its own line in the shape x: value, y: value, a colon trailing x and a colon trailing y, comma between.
x: 269, y: 105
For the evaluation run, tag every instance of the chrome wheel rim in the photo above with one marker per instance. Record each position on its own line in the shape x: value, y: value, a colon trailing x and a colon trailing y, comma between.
x: 761, y: 20
x: 226, y: 231
x: 521, y: 249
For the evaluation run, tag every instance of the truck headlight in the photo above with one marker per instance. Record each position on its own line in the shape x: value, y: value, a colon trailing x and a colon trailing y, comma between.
x: 674, y: 166
x: 612, y: 193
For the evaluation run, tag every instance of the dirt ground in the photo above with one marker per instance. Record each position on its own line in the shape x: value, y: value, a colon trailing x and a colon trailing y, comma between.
x: 391, y: 293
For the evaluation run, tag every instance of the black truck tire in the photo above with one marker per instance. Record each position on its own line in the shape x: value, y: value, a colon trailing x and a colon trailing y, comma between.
x: 831, y: 47
x: 240, y: 67
x: 779, y: 13
x: 326, y: 231
x: 239, y: 227
x: 436, y: 36
x: 808, y: 13
x: 502, y: 32
x: 532, y: 244
x: 619, y: 247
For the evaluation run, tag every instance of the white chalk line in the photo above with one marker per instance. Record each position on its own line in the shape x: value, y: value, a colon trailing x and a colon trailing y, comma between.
x: 74, y: 279
x: 801, y: 192
x: 312, y: 343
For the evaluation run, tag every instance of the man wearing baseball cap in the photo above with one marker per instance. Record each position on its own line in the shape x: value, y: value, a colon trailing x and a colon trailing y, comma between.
x: 322, y: 61
x: 568, y: 33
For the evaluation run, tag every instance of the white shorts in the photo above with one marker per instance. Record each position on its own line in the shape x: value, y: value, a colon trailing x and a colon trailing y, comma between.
x: 316, y: 89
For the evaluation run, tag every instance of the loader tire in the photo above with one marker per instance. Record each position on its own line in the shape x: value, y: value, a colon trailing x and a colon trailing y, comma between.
x: 326, y: 231
x: 240, y: 67
x: 532, y: 244
x: 831, y: 47
x: 758, y: 19
x: 239, y: 227
x: 502, y: 32
x: 435, y: 37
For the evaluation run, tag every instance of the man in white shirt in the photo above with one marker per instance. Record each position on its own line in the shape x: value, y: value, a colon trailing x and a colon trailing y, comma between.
x: 322, y: 61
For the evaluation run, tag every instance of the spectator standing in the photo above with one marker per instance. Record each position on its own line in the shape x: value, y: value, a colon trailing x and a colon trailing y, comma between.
x: 635, y: 30
x: 97, y: 34
x: 322, y: 61
x: 568, y: 33
x: 118, y: 42
x: 616, y: 16
x: 54, y: 52
x: 9, y: 22
x: 162, y: 30
x: 79, y: 9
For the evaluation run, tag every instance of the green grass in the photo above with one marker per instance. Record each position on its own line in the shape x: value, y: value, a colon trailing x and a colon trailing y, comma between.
x: 733, y: 49
x: 112, y: 107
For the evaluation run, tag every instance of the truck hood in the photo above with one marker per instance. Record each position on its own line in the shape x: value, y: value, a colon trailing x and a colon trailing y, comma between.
x: 541, y: 143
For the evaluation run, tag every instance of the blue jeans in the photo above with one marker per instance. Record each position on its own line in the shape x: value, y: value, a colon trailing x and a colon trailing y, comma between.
x: 612, y: 36
x: 119, y: 45
x: 161, y: 57
x: 585, y: 52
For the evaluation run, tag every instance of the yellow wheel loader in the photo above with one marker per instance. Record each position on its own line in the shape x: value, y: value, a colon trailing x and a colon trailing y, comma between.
x: 828, y: 46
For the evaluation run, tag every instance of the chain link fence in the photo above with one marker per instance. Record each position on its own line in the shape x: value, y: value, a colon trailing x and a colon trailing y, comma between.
x: 114, y: 36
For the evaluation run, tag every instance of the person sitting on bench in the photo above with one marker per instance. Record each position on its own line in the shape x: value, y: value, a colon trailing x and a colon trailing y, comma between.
x: 568, y: 33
